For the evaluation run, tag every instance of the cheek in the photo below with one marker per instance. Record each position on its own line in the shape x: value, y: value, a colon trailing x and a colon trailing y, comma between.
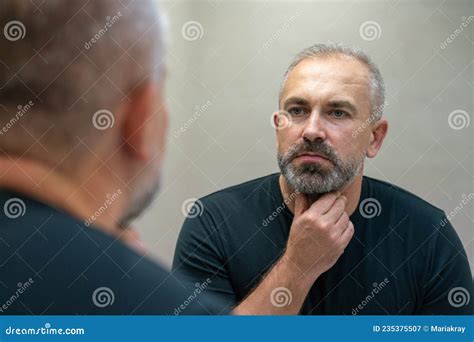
x: 346, y: 144
x: 358, y: 145
x: 286, y: 138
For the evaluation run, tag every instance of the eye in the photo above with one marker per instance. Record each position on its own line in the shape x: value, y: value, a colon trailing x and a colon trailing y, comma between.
x: 338, y: 114
x: 296, y: 111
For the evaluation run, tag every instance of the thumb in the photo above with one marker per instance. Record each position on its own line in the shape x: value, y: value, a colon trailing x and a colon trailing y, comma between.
x: 301, y: 204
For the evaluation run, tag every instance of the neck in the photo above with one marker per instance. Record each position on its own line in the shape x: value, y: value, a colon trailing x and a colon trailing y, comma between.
x: 351, y: 191
x: 80, y: 198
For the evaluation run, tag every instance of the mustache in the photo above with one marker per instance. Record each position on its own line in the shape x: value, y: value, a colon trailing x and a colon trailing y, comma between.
x: 316, y: 146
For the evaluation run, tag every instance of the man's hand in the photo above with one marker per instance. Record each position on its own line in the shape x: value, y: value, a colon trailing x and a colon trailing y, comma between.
x: 319, y: 234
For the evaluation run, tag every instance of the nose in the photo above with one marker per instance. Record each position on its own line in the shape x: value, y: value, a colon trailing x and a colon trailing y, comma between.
x: 314, y: 128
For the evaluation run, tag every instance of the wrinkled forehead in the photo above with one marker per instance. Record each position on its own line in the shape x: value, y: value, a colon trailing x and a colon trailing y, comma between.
x: 328, y: 76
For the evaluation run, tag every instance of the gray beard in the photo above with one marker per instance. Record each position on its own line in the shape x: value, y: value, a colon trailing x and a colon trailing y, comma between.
x: 139, y: 204
x: 317, y: 179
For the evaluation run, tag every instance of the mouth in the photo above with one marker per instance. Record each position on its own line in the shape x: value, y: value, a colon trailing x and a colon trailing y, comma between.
x: 310, y: 157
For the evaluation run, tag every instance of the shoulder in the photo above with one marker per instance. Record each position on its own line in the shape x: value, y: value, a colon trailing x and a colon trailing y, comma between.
x: 81, y: 270
x: 240, y: 194
x: 397, y: 199
x: 220, y: 212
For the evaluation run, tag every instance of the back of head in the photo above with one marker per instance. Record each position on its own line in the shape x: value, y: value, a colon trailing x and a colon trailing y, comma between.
x: 63, y: 61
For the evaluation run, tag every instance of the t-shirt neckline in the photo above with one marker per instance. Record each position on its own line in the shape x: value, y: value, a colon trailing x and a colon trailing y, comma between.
x: 278, y: 195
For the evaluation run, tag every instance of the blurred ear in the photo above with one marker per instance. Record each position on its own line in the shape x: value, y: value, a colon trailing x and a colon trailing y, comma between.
x: 276, y: 122
x: 377, y: 136
x: 136, y: 130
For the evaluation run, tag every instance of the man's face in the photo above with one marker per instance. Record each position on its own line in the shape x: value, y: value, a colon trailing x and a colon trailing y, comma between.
x: 323, y: 102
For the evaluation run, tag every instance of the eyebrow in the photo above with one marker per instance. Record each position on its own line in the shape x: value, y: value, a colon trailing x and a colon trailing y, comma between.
x: 295, y: 100
x: 332, y: 104
x: 342, y: 104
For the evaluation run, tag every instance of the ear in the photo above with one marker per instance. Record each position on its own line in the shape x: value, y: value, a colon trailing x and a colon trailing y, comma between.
x: 377, y: 136
x: 276, y: 122
x: 135, y: 130
x: 276, y: 119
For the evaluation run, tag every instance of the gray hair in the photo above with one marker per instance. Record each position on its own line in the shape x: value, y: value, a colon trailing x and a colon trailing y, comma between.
x: 377, y: 88
x: 67, y: 60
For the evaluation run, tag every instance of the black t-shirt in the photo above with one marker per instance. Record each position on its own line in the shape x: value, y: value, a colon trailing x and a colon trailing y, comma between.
x: 52, y: 264
x: 404, y: 257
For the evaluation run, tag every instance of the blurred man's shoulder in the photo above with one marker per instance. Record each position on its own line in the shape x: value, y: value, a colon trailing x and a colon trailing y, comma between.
x: 76, y: 269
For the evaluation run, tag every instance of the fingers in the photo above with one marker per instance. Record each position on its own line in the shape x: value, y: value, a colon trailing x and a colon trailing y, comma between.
x: 347, y: 234
x: 342, y: 224
x: 337, y: 209
x: 325, y: 202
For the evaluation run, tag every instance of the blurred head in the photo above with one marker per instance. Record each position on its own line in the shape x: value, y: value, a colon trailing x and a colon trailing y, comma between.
x: 330, y: 118
x: 81, y: 90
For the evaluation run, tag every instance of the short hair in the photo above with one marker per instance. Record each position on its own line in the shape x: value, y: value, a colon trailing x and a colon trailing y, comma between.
x: 66, y: 60
x: 377, y: 88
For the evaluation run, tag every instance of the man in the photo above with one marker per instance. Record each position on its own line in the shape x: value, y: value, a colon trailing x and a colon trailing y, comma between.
x: 321, y: 238
x: 83, y: 133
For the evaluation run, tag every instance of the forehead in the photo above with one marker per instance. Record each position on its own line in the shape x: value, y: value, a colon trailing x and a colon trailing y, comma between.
x: 328, y: 76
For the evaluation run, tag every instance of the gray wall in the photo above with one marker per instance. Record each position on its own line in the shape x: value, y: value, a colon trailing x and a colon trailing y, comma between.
x: 222, y: 89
